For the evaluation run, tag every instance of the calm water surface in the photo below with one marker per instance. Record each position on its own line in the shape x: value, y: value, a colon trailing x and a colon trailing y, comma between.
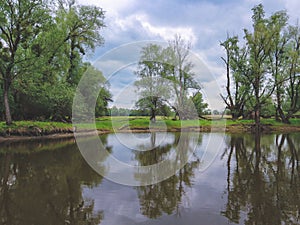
x: 252, y: 180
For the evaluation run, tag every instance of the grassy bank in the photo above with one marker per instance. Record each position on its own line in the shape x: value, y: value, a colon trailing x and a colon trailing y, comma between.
x: 124, y: 124
x: 34, y: 128
x: 142, y: 123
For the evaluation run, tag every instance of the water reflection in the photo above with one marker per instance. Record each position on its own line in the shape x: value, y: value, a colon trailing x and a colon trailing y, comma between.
x: 46, y: 187
x: 56, y: 186
x: 166, y: 196
x: 263, y: 179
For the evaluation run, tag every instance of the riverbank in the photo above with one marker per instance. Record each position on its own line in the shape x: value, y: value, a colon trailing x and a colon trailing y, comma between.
x: 35, y: 129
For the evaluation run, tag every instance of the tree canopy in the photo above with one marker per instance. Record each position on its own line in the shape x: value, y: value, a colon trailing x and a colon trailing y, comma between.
x: 265, y: 69
x: 42, y: 45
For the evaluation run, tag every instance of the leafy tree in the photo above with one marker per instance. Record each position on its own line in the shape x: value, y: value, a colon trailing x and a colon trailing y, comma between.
x: 259, y: 46
x: 41, y: 53
x: 292, y: 79
x: 265, y: 67
x: 92, y: 92
x: 152, y: 85
x: 199, y: 103
x: 178, y: 70
x: 81, y: 26
x: 22, y: 21
x: 278, y: 59
x: 166, y: 76
x: 237, y: 87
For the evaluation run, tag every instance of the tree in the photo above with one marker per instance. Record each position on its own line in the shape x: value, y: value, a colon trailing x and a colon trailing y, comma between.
x: 199, y: 103
x: 265, y: 67
x: 237, y: 87
x: 178, y: 70
x: 81, y: 26
x: 291, y: 81
x: 22, y: 21
x: 259, y: 45
x: 41, y: 56
x: 152, y: 85
x: 278, y: 59
x: 93, y: 94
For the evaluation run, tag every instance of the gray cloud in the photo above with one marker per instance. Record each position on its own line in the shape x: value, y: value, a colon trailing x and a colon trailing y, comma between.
x: 205, y: 23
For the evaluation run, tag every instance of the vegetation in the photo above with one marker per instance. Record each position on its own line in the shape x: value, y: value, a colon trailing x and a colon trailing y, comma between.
x: 167, y: 80
x: 263, y: 73
x: 42, y: 45
x: 109, y: 124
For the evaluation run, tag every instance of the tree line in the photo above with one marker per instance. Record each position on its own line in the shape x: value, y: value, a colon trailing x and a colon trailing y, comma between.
x: 262, y: 71
x: 262, y: 68
x: 42, y: 45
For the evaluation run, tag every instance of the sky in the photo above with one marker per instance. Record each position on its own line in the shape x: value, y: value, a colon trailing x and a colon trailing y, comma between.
x: 204, y: 23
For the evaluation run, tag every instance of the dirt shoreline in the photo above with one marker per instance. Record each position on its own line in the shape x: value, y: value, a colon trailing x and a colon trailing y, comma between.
x: 23, y: 135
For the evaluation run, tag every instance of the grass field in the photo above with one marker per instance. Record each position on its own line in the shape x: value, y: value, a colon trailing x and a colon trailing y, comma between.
x: 113, y: 124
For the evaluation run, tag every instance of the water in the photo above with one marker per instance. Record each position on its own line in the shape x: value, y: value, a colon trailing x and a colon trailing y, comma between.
x: 252, y: 180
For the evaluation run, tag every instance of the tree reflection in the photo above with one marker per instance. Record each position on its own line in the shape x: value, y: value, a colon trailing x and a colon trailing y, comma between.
x: 46, y: 188
x: 263, y: 179
x: 166, y: 196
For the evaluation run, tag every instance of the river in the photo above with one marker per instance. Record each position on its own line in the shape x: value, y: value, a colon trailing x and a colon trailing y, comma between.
x: 227, y: 179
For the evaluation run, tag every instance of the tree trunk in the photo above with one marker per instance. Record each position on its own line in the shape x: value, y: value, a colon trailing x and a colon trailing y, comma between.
x: 153, y: 112
x: 257, y: 120
x: 6, y: 104
x: 153, y: 117
x: 234, y: 116
x: 283, y: 118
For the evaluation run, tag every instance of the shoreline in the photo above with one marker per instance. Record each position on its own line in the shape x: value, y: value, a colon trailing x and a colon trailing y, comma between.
x: 24, y: 135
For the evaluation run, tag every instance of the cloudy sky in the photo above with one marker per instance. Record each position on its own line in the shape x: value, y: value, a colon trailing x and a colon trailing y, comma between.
x: 204, y: 23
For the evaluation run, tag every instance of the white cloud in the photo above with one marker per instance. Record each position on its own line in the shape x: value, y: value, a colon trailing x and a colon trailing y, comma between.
x: 204, y: 23
x: 168, y: 33
x: 111, y: 7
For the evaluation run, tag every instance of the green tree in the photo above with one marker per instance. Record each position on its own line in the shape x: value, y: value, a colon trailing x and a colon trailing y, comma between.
x: 42, y: 49
x: 199, y: 103
x: 237, y: 86
x: 278, y: 59
x: 178, y: 69
x: 288, y: 95
x: 265, y: 67
x: 94, y: 94
x: 81, y: 26
x: 152, y: 86
x: 22, y: 21
x: 259, y: 46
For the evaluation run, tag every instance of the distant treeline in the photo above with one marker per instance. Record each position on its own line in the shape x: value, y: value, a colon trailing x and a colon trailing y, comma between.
x: 167, y: 112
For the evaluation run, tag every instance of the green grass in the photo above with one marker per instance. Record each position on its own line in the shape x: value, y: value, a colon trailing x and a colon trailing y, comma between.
x: 111, y: 124
x: 39, y: 124
x: 105, y: 123
x: 31, y: 125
